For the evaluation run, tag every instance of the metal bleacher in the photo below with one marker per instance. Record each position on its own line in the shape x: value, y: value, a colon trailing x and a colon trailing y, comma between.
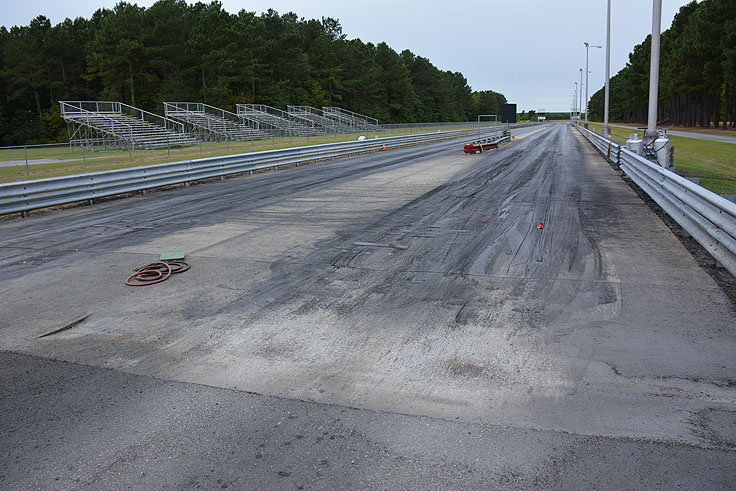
x: 112, y: 124
x: 316, y: 118
x: 212, y: 123
x: 118, y: 125
x: 350, y: 119
x: 275, y: 121
x: 305, y: 120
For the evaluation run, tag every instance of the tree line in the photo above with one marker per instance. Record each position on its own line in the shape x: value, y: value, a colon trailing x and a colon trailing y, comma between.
x: 174, y: 51
x: 697, y: 85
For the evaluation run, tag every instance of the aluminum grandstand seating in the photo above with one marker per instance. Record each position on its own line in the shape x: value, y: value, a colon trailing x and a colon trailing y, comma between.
x: 275, y: 121
x: 212, y: 123
x: 116, y: 124
x: 315, y: 117
x: 350, y: 119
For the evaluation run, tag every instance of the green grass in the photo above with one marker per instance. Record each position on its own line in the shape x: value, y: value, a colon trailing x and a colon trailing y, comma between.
x: 713, y: 162
x: 70, y: 163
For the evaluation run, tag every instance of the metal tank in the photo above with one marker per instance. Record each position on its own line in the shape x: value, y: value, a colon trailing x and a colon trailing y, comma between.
x: 635, y: 144
x: 662, y: 148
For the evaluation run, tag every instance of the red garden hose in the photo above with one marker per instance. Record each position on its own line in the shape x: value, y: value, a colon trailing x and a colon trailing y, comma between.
x: 155, y: 273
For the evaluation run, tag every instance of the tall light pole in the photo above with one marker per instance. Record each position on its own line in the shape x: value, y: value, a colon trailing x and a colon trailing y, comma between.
x: 661, y: 145
x: 587, y: 45
x: 576, y: 95
x: 580, y: 106
x: 651, y: 133
x: 606, y: 128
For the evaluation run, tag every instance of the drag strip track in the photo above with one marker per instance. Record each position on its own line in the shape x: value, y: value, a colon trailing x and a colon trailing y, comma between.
x: 415, y: 282
x: 200, y: 204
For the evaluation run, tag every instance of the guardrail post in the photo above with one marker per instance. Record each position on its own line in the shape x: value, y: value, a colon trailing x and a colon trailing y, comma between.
x: 84, y: 157
x: 25, y: 152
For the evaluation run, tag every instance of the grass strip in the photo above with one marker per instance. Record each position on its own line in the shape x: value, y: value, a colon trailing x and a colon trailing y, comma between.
x: 67, y: 163
x: 713, y: 162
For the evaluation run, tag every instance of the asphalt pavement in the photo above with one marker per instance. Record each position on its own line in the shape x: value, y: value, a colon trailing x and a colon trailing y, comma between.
x: 416, y: 318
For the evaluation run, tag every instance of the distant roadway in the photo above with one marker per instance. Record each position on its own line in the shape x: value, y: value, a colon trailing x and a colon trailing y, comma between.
x: 688, y: 134
x: 411, y: 319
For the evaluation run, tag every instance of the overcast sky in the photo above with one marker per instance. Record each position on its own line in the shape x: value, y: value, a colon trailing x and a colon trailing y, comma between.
x: 529, y: 50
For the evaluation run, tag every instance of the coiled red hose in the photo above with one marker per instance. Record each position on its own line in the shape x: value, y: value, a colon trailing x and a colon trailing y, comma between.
x: 155, y: 273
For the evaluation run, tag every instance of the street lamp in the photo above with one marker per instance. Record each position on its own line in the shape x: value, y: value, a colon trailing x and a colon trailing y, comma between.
x: 576, y: 95
x: 661, y: 145
x: 651, y: 133
x: 587, y: 45
x: 580, y: 105
x: 606, y: 128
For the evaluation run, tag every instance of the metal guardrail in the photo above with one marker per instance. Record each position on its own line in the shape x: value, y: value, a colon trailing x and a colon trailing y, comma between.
x: 708, y: 218
x: 24, y: 196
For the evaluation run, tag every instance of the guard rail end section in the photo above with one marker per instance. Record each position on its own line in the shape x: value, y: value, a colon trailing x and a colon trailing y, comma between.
x: 709, y: 218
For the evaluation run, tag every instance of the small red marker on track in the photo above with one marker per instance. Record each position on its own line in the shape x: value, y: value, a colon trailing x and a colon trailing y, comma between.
x: 540, y: 226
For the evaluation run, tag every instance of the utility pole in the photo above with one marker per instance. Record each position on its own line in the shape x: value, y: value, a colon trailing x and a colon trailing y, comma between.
x: 587, y: 45
x: 576, y: 95
x: 651, y: 133
x: 580, y: 106
x: 606, y: 128
x: 660, y: 145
